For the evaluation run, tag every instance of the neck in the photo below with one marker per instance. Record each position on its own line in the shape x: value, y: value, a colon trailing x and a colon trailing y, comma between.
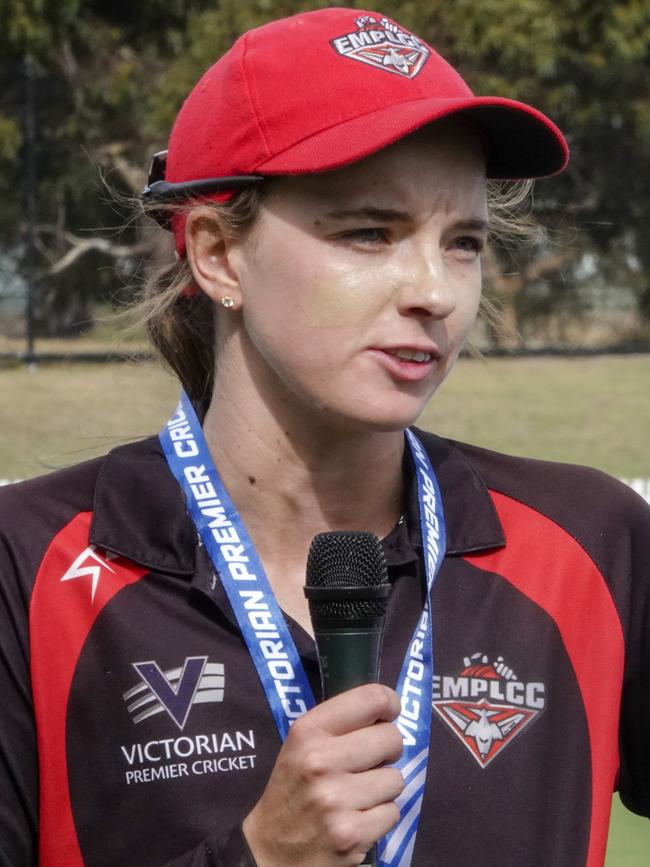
x: 293, y: 473
x: 281, y: 475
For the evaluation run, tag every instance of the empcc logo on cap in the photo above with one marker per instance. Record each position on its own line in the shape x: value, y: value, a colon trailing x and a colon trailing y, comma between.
x: 384, y: 45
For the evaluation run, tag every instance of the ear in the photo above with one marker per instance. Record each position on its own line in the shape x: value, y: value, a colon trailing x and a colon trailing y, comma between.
x: 209, y: 252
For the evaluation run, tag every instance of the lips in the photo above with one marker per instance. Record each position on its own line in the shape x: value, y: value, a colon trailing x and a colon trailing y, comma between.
x: 410, y: 354
x: 407, y: 363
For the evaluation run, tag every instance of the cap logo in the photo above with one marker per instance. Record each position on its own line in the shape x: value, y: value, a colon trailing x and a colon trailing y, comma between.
x: 384, y: 45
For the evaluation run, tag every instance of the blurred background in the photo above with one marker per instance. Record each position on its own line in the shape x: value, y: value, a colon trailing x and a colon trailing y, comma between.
x: 89, y: 89
x: 88, y: 92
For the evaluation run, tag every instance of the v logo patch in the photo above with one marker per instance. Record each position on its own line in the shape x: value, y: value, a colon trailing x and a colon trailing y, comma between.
x: 176, y: 692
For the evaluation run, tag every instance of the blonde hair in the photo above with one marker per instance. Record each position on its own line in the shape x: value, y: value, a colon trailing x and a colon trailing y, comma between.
x: 183, y: 327
x: 511, y: 225
x: 180, y: 319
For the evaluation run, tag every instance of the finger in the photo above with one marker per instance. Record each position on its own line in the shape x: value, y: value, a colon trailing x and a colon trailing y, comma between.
x: 371, y: 788
x: 367, y: 748
x: 373, y: 824
x: 331, y: 800
x: 351, y: 710
x: 355, y: 752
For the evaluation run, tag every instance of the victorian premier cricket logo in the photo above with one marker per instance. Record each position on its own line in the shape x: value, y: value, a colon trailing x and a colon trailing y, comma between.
x: 384, y: 45
x: 486, y: 706
x: 175, y: 691
x: 169, y: 696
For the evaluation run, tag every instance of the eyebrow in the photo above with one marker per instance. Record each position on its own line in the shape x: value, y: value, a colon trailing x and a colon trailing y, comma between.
x: 389, y: 215
x: 474, y: 225
x: 380, y: 214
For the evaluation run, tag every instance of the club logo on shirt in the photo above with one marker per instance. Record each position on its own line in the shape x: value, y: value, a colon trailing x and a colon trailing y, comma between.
x: 384, y: 45
x: 486, y: 706
x: 174, y: 691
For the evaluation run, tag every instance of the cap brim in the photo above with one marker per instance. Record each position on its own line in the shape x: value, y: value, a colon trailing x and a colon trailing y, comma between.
x: 520, y: 141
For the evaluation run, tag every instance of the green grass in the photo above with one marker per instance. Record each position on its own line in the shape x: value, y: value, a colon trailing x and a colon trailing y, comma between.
x: 54, y: 416
x: 629, y: 839
x: 590, y: 410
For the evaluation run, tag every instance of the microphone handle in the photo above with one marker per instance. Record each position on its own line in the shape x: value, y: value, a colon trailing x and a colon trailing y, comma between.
x: 349, y: 657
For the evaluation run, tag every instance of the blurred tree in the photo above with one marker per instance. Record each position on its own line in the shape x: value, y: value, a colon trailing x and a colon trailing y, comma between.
x: 113, y: 74
x: 587, y: 64
x: 94, y: 63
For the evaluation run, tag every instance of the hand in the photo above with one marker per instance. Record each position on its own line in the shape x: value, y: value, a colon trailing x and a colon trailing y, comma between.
x: 328, y: 799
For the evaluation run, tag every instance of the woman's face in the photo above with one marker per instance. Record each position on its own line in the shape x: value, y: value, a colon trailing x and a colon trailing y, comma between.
x: 359, y: 286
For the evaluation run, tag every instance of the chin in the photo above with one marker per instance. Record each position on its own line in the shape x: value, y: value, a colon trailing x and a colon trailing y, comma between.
x: 390, y: 426
x: 396, y: 416
x: 398, y: 411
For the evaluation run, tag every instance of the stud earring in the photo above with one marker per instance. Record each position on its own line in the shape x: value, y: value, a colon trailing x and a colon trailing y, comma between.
x: 227, y: 301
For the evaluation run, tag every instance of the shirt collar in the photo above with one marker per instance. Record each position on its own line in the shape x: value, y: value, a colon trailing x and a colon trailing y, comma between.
x: 471, y: 519
x: 139, y: 510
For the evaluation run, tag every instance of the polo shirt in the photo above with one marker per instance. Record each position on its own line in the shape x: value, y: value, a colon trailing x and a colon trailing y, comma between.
x: 135, y: 730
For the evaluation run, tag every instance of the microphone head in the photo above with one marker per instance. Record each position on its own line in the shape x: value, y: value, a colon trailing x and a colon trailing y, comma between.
x: 347, y: 577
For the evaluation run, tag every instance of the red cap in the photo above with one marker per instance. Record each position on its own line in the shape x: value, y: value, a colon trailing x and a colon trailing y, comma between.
x: 322, y: 89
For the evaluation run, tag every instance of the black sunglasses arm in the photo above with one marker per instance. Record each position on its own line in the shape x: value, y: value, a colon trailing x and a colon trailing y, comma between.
x: 165, y: 192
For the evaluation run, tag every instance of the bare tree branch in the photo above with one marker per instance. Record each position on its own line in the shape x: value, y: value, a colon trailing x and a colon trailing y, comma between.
x: 549, y: 265
x: 133, y: 176
x: 507, y: 286
x: 510, y: 284
x: 80, y: 246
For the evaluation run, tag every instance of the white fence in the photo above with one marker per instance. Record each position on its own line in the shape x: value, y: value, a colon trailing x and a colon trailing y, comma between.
x: 641, y: 486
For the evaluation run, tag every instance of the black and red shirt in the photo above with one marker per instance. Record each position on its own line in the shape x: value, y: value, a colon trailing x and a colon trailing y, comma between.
x: 134, y: 729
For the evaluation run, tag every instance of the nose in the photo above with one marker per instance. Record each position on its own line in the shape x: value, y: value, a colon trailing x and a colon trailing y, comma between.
x: 427, y: 290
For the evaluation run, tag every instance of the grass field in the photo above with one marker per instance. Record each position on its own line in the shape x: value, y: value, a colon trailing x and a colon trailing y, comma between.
x: 560, y: 409
x: 588, y: 410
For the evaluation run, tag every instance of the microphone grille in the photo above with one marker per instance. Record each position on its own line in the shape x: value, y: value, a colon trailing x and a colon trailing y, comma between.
x: 346, y: 559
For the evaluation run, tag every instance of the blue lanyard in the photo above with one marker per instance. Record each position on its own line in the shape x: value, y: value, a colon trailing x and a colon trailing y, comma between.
x: 415, y: 682
x: 263, y: 626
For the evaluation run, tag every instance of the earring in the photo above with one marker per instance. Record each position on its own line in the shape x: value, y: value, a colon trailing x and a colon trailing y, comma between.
x: 227, y: 301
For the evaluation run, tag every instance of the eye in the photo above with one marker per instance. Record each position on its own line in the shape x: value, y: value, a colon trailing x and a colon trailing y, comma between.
x: 367, y: 236
x: 469, y: 245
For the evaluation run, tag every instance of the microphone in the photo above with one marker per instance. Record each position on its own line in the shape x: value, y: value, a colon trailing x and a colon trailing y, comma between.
x: 347, y: 590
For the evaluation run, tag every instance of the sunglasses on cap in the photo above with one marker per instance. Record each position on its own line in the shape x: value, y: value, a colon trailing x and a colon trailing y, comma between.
x: 160, y: 191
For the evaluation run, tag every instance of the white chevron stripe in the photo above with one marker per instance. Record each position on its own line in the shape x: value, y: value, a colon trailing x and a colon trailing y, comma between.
x: 401, y: 830
x: 411, y: 789
x: 408, y: 769
x: 405, y: 860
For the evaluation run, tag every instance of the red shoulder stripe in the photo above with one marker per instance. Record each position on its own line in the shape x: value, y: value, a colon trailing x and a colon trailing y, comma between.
x: 539, y: 559
x: 73, y: 584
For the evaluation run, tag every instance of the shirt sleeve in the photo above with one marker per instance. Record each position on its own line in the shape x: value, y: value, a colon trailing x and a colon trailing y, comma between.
x: 634, y: 777
x: 228, y: 850
x: 18, y: 752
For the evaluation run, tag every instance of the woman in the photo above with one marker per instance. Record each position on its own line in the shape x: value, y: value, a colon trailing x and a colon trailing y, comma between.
x: 326, y: 185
